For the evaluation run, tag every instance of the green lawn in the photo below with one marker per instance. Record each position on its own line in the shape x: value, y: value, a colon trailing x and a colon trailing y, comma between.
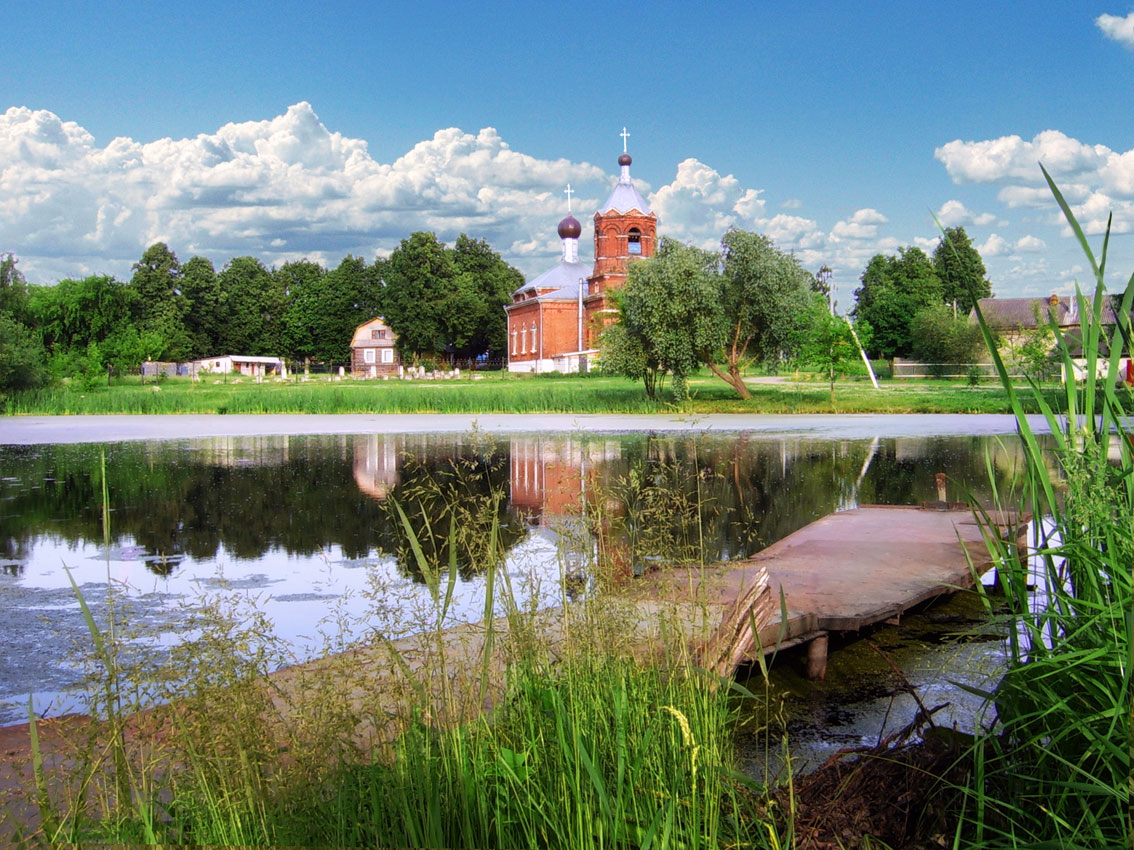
x: 501, y: 392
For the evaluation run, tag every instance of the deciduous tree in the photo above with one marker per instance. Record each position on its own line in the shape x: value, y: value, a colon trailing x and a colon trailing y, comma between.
x: 252, y: 304
x: 670, y: 310
x: 893, y: 290
x: 961, y: 271
x: 161, y: 307
x: 764, y: 298
x: 828, y: 342
x: 939, y: 337
x: 420, y: 282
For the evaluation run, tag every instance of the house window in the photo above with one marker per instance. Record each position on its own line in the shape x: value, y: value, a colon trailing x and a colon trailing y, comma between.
x: 387, y: 355
x: 634, y: 241
x: 378, y: 334
x: 368, y: 355
x: 533, y: 338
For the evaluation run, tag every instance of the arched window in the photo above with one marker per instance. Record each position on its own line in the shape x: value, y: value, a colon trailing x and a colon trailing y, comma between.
x: 634, y: 241
x: 523, y: 340
x: 514, y: 335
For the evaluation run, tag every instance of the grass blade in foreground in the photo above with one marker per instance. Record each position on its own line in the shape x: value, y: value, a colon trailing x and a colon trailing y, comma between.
x: 1054, y: 768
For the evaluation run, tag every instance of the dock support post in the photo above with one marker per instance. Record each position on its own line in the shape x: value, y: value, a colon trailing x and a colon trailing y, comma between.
x: 817, y: 658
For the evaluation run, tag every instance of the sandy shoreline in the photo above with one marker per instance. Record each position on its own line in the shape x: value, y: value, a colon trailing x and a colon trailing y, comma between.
x: 33, y: 430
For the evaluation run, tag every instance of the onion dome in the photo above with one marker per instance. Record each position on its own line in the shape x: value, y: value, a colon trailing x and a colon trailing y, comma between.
x: 570, y: 228
x: 624, y: 159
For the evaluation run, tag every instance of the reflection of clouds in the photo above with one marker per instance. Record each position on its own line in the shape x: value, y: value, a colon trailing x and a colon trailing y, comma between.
x: 376, y: 463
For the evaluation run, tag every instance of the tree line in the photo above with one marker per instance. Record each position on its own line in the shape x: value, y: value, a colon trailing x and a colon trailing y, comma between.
x: 749, y: 303
x: 444, y: 303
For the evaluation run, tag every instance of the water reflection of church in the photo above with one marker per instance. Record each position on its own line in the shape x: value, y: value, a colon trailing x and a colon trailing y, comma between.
x: 551, y: 476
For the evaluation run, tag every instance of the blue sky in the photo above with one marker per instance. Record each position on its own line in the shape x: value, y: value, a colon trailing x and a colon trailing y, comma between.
x: 285, y: 130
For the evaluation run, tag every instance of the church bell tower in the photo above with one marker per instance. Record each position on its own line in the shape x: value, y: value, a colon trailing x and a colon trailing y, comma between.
x: 625, y: 230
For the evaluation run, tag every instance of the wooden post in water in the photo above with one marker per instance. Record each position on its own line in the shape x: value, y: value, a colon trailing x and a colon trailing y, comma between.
x: 817, y: 658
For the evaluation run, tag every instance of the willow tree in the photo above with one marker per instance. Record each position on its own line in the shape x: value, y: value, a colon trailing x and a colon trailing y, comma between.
x: 669, y: 317
x: 764, y: 299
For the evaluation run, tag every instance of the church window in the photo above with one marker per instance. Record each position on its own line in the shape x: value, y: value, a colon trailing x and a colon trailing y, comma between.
x: 514, y: 335
x: 533, y: 338
x: 634, y: 241
x: 524, y: 340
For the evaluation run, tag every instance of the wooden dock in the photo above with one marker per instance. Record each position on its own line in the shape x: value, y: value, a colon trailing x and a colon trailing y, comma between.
x: 841, y: 573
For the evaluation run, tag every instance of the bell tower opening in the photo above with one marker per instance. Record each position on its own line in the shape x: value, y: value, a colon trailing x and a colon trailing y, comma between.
x: 634, y: 241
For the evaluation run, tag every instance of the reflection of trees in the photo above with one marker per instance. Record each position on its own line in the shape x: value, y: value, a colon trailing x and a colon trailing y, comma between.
x: 662, y: 496
x: 456, y: 503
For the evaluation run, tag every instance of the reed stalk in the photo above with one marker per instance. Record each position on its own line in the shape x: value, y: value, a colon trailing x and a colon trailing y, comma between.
x: 1052, y: 768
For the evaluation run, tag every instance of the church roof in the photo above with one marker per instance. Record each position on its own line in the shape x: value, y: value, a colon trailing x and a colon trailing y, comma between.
x: 564, y: 278
x: 625, y: 198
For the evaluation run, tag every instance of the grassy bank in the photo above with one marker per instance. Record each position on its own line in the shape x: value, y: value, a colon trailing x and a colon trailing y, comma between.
x: 505, y: 393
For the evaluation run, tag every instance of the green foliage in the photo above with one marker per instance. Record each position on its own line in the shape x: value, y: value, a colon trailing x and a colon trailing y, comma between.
x: 324, y: 308
x: 893, y: 290
x: 253, y: 305
x: 1055, y: 769
x: 828, y: 342
x: 624, y: 353
x: 446, y: 302
x: 203, y: 321
x: 22, y: 359
x: 490, y: 282
x: 419, y: 277
x: 160, y: 306
x: 23, y: 363
x: 961, y: 271
x: 670, y: 310
x: 1033, y: 351
x: 13, y: 289
x: 939, y: 337
x: 765, y: 296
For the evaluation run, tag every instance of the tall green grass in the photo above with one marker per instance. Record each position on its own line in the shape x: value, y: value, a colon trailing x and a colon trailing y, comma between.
x: 1053, y: 768
x: 548, y: 733
x: 506, y: 394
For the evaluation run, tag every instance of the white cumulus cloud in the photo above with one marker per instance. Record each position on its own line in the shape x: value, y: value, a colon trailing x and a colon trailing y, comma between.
x: 1117, y: 29
x: 862, y: 225
x: 954, y: 213
x: 280, y: 188
x: 700, y: 204
x: 1030, y: 244
x: 994, y: 246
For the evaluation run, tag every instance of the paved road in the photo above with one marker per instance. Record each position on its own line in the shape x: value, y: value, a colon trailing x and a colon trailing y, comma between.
x: 31, y: 430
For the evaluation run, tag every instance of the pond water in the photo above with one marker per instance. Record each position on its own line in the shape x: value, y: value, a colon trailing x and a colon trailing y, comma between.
x: 304, y: 528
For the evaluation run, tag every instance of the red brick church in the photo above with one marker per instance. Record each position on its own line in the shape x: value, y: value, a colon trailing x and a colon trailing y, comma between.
x: 555, y: 319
